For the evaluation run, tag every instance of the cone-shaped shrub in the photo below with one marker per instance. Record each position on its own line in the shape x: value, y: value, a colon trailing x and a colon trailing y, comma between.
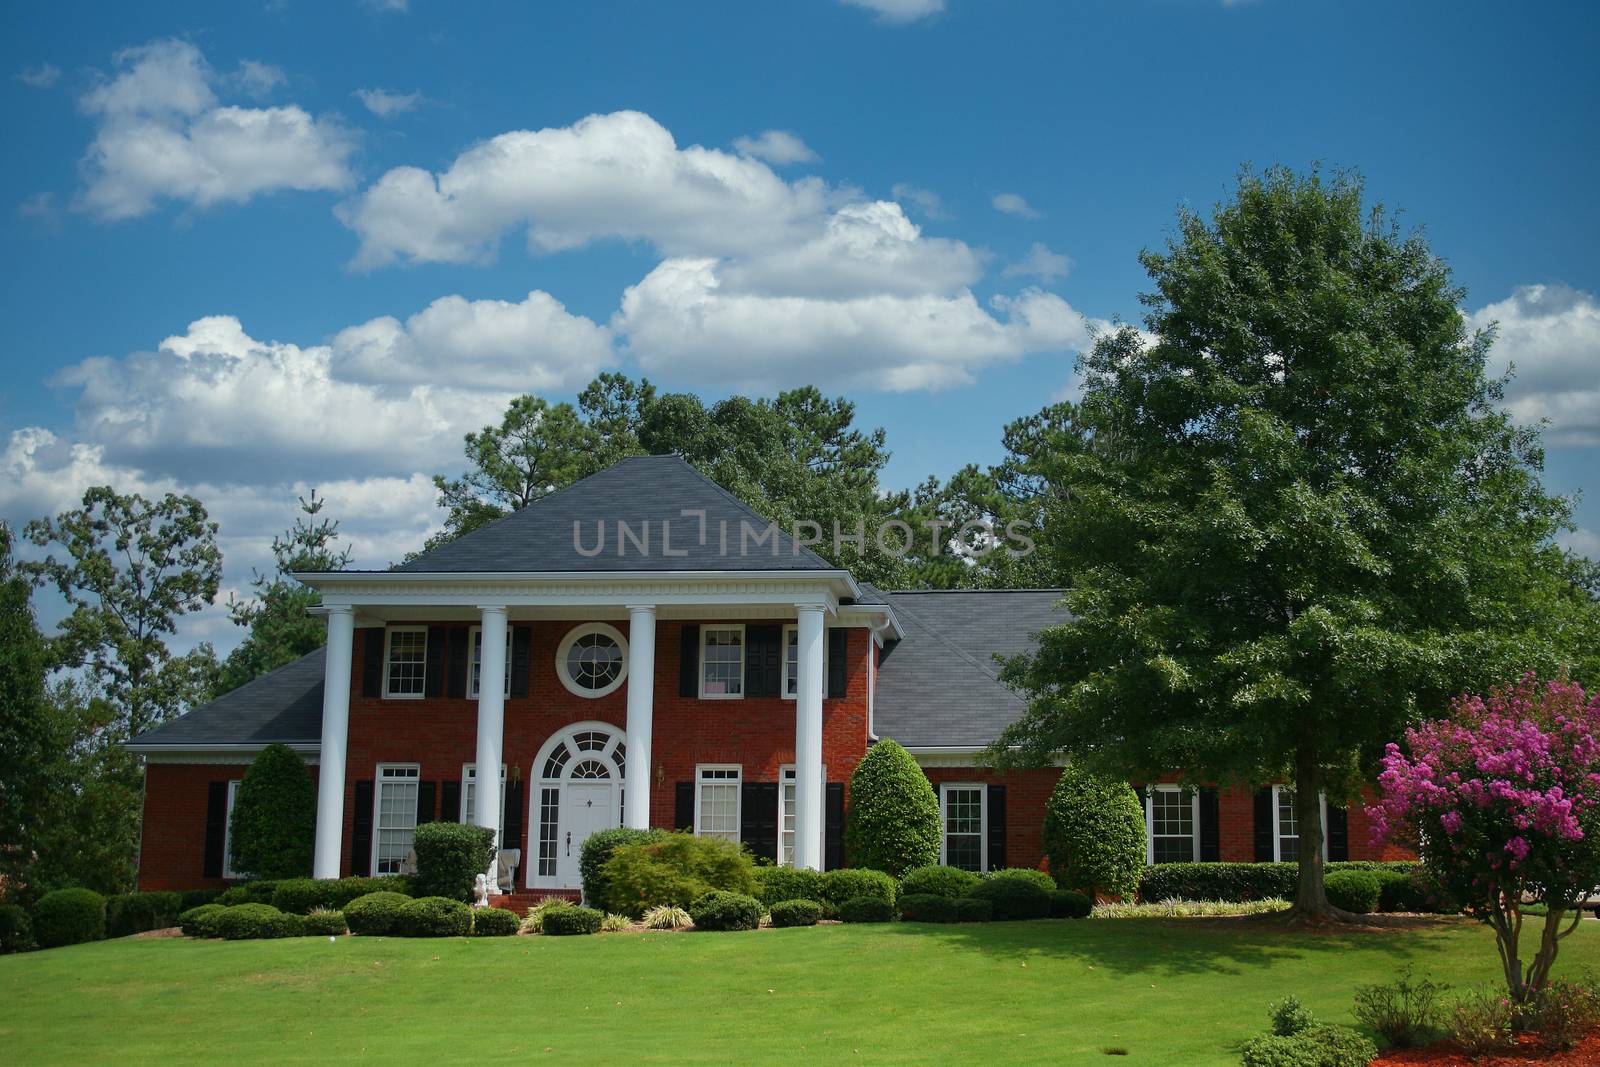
x: 1094, y: 835
x: 275, y: 816
x: 893, y: 823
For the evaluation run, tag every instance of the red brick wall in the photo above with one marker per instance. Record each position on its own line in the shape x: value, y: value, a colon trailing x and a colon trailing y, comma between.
x: 1026, y: 793
x: 173, y: 846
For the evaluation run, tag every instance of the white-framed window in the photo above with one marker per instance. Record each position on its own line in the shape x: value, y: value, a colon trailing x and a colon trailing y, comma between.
x: 716, y: 801
x: 786, y: 807
x: 592, y: 660
x: 227, y: 834
x: 791, y: 661
x: 405, y: 662
x: 475, y: 642
x: 1172, y: 824
x: 964, y: 842
x: 394, y: 815
x: 722, y: 662
x: 1286, y: 826
x: 469, y: 792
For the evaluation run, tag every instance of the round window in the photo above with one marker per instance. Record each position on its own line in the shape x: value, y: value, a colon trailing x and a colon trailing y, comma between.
x: 592, y: 660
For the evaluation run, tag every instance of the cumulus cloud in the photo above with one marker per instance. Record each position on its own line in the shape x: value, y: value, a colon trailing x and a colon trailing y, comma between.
x: 899, y: 11
x: 1550, y: 334
x: 387, y: 105
x: 1039, y: 263
x: 1014, y: 204
x: 41, y: 77
x: 258, y: 79
x: 926, y: 201
x: 779, y: 147
x: 161, y: 134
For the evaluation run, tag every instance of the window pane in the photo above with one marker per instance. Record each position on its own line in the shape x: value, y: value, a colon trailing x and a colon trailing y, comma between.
x: 791, y: 663
x: 477, y: 663
x: 719, y: 804
x: 1172, y: 828
x: 963, y: 828
x: 594, y: 661
x: 397, y: 816
x: 549, y: 816
x: 408, y: 650
x: 1288, y: 829
x: 723, y: 662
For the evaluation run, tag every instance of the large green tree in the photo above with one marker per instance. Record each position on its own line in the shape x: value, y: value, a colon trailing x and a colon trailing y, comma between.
x: 1291, y: 514
x: 30, y: 757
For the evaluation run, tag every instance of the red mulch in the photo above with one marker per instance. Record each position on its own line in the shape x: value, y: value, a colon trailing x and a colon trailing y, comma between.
x: 1447, y: 1054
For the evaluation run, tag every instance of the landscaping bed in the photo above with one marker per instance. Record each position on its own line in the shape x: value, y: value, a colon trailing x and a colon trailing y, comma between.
x: 1447, y: 1054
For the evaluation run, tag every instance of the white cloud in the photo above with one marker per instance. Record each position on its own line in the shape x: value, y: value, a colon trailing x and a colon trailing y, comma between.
x: 385, y: 105
x: 41, y: 77
x: 1583, y: 541
x: 162, y: 135
x: 778, y: 147
x: 899, y: 10
x: 927, y: 202
x: 1039, y: 263
x: 398, y: 6
x: 38, y: 206
x: 1014, y: 204
x: 258, y: 79
x: 1551, y: 335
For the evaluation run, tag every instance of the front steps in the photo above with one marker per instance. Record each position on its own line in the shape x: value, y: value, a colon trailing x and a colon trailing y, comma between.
x: 523, y: 899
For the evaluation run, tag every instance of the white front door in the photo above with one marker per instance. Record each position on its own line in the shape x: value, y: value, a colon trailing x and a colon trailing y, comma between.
x: 586, y: 807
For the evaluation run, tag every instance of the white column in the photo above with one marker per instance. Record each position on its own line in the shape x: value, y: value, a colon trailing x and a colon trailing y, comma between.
x: 641, y: 694
x: 808, y: 785
x: 335, y: 734
x: 491, y: 720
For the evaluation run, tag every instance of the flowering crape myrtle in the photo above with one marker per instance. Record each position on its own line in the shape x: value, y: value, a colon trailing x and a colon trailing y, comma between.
x: 1502, y: 800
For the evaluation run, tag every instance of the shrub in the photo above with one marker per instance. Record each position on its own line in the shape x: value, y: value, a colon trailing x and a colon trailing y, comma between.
x: 1479, y: 1020
x: 598, y: 847
x: 927, y: 908
x: 1318, y: 1045
x: 69, y: 917
x: 301, y: 895
x: 1403, y: 1012
x: 1238, y: 881
x: 450, y: 856
x: 274, y: 816
x: 1094, y: 834
x: 325, y: 923
x: 16, y: 931
x: 1411, y: 891
x: 847, y: 883
x: 866, y: 910
x: 1069, y: 904
x: 938, y: 881
x: 376, y: 914
x: 726, y: 911
x: 252, y: 922
x: 614, y: 924
x: 973, y: 910
x: 776, y: 884
x: 893, y: 823
x: 259, y: 892
x: 193, y: 898
x: 678, y: 869
x: 1022, y: 874
x: 1289, y: 1016
x: 560, y: 922
x: 1561, y: 1013
x: 1014, y: 898
x: 202, y: 921
x: 796, y: 913
x: 533, y: 923
x: 1188, y: 909
x: 667, y: 917
x: 134, y: 913
x: 1354, y: 891
x: 495, y: 922
x: 435, y: 917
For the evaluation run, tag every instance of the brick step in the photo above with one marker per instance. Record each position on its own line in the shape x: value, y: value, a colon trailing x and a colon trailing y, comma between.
x: 522, y: 900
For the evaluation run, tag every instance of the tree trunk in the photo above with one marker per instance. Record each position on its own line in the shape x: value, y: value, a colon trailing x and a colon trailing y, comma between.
x: 1311, y: 893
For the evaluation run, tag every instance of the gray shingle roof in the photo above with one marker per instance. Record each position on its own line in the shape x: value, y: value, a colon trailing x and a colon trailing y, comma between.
x: 637, y: 490
x: 282, y: 705
x: 939, y: 687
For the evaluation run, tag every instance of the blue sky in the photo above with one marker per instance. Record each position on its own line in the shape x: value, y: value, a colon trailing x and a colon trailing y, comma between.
x: 354, y: 201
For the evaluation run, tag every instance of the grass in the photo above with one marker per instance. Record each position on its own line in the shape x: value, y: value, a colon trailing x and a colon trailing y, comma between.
x: 1075, y: 992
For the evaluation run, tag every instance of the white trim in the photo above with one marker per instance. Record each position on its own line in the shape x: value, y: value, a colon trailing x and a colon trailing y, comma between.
x: 538, y: 783
x: 469, y: 774
x: 1277, y: 834
x: 704, y: 631
x: 1150, y: 822
x: 214, y: 753
x: 227, y: 832
x: 474, y: 660
x: 737, y: 781
x: 565, y: 645
x: 945, y: 788
x: 378, y: 781
x: 388, y: 636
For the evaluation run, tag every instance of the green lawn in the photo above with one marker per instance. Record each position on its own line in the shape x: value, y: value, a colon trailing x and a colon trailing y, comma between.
x: 1169, y: 992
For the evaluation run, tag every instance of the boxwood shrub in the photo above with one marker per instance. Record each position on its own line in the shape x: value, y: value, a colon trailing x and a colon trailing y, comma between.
x: 1354, y: 891
x: 495, y: 922
x: 678, y: 869
x: 775, y: 884
x: 450, y: 856
x: 376, y: 913
x: 1014, y: 898
x: 973, y: 910
x: 1321, y: 1044
x: 726, y: 911
x: 193, y: 898
x: 134, y: 913
x: 938, y: 881
x: 927, y: 908
x: 1069, y: 904
x: 301, y: 895
x: 16, y: 930
x: 894, y: 820
x: 871, y: 909
x: 325, y: 923
x: 848, y: 883
x: 796, y: 913
x: 69, y: 917
x: 250, y: 922
x: 1094, y: 834
x: 599, y: 847
x: 202, y: 921
x: 1021, y: 874
x: 248, y: 893
x: 435, y: 917
x: 560, y: 922
x: 1235, y: 882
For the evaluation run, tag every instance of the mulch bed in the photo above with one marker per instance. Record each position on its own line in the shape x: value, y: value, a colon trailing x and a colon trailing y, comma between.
x: 1448, y: 1054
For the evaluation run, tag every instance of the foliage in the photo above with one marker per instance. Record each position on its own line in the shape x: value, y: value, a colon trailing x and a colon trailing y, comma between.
x: 495, y: 922
x: 866, y: 910
x: 31, y: 764
x: 1070, y: 904
x: 798, y: 912
x: 134, y: 913
x: 973, y: 910
x: 893, y: 822
x: 1292, y: 514
x: 69, y: 917
x: 667, y: 917
x: 1502, y: 800
x: 937, y: 881
x: 321, y: 922
x: 274, y: 820
x: 201, y: 921
x: 1562, y: 1013
x: 1237, y: 881
x: 1353, y: 891
x: 1020, y: 874
x: 1479, y: 1020
x: 725, y: 911
x: 1403, y: 1012
x: 1094, y: 834
x: 614, y: 923
x: 598, y: 848
x: 533, y: 922
x: 1014, y: 898
x: 678, y: 869
x: 1174, y: 908
x: 303, y: 895
x: 252, y: 922
x: 775, y: 884
x: 435, y: 917
x: 193, y: 898
x: 847, y: 883
x: 1319, y: 1045
x: 1289, y: 1016
x: 376, y: 913
x: 560, y: 922
x: 260, y: 891
x: 927, y: 908
x: 16, y: 930
x: 450, y: 856
x: 1411, y: 891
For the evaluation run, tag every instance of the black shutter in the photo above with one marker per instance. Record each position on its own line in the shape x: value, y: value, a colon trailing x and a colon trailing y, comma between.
x: 372, y: 663
x: 511, y: 815
x: 838, y: 642
x: 521, y: 647
x: 433, y: 681
x: 763, y: 660
x: 1264, y: 825
x: 997, y: 827
x: 216, y: 828
x: 833, y: 827
x: 683, y: 807
x: 1338, y: 831
x: 758, y: 818
x: 689, y: 661
x: 425, y: 794
x: 361, y: 840
x: 1210, y: 826
x: 449, y: 801
x: 459, y: 652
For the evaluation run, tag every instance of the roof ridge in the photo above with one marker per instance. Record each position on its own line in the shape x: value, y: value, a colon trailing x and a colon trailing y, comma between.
x: 951, y: 645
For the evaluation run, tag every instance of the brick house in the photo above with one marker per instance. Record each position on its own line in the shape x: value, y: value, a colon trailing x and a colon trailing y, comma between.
x: 666, y: 658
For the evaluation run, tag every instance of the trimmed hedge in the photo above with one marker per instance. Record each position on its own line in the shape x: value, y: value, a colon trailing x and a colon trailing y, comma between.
x: 193, y: 898
x: 1021, y: 874
x: 1354, y: 891
x: 253, y: 922
x: 1318, y: 1045
x: 973, y: 910
x: 938, y: 881
x: 866, y: 910
x: 300, y: 895
x: 1094, y: 834
x: 1070, y: 904
x: 726, y: 911
x: 248, y: 893
x: 495, y: 922
x: 1014, y: 898
x: 796, y: 913
x: 777, y: 884
x: 1237, y: 882
x: 435, y: 917
x: 678, y: 869
x: 848, y: 883
x: 1415, y: 891
x: 927, y: 908
x: 893, y: 823
x: 326, y: 924
x: 134, y: 913
x: 376, y: 914
x: 561, y: 922
x: 450, y: 856
x: 599, y: 847
x: 202, y: 921
x: 16, y: 930
x: 69, y: 917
